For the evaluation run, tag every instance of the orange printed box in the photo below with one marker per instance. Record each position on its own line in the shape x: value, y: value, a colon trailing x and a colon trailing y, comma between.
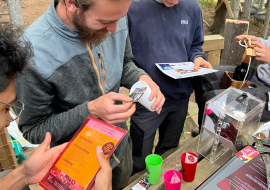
x: 77, y: 165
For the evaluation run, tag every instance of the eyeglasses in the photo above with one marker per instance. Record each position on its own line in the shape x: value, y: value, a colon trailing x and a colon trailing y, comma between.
x: 18, y: 106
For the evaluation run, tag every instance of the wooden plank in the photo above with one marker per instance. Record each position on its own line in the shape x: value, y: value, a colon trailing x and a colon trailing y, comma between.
x: 213, y: 42
x: 206, y: 23
x: 136, y: 176
x: 204, y: 170
x: 232, y: 53
x: 240, y: 7
x: 219, y: 5
x: 190, y: 123
x: 213, y: 57
x: 13, y: 156
x: 228, y: 8
x: 213, y: 5
x: 172, y: 162
x: 7, y: 158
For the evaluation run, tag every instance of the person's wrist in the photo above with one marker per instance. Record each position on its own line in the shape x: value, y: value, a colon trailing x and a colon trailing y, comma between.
x: 199, y: 58
x: 25, y: 176
x: 91, y: 108
x: 144, y: 77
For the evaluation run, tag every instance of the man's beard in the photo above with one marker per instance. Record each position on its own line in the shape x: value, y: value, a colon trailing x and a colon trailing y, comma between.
x: 87, y: 34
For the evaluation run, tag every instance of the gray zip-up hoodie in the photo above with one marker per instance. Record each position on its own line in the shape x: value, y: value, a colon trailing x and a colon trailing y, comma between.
x: 66, y: 74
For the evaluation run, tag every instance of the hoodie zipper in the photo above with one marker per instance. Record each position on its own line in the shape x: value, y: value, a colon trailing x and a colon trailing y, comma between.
x: 99, y: 82
x: 103, y: 70
x: 96, y: 68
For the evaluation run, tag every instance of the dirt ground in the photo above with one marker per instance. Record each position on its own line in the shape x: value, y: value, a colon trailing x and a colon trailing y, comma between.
x: 31, y: 10
x: 255, y: 28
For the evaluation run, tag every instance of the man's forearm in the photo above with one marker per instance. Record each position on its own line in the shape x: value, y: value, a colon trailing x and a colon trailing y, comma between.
x: 61, y: 126
x: 14, y: 180
x: 131, y: 74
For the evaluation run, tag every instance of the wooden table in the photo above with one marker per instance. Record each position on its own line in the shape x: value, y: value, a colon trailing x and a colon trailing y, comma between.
x: 173, y: 162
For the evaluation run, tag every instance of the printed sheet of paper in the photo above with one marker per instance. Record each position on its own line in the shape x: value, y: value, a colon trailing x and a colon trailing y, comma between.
x: 190, y: 158
x: 247, y: 154
x: 175, y: 178
x: 142, y: 185
x: 250, y: 176
x: 182, y: 70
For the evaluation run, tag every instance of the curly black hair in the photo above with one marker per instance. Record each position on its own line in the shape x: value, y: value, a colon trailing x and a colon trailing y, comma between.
x: 14, y: 56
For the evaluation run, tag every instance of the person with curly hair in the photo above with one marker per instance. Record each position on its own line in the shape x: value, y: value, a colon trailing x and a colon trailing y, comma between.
x: 14, y: 57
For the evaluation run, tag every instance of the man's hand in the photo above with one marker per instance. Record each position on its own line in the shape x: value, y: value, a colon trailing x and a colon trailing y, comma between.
x: 104, y: 108
x: 249, y: 37
x: 262, y: 52
x: 155, y: 92
x: 41, y: 161
x: 200, y: 62
x: 103, y: 179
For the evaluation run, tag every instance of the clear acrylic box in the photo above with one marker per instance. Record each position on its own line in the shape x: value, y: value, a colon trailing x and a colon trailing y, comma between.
x: 229, y: 121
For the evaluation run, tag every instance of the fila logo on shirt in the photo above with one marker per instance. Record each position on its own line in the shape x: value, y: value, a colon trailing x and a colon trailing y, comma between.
x: 184, y: 21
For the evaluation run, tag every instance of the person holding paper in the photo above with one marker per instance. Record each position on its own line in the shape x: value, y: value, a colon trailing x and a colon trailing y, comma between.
x: 14, y: 57
x: 209, y: 86
x: 82, y: 57
x: 164, y: 31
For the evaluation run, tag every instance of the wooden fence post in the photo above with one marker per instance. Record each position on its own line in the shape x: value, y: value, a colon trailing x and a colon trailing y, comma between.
x: 247, y: 9
x: 235, y: 8
x: 232, y: 53
x: 16, y: 19
x: 266, y: 21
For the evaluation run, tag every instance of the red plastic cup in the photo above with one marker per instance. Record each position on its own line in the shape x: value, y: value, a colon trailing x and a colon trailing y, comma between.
x: 167, y: 180
x: 188, y: 169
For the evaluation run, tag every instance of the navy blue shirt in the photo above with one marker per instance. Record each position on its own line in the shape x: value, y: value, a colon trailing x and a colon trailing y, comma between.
x: 161, y: 34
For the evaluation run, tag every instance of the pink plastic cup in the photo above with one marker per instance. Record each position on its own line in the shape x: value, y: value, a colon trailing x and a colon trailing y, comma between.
x: 167, y: 180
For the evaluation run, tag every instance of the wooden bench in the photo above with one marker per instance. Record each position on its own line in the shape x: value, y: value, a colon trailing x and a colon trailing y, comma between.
x: 213, y: 44
x: 173, y: 162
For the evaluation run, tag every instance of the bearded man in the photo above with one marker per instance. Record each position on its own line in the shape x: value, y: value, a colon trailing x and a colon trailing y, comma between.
x: 82, y: 57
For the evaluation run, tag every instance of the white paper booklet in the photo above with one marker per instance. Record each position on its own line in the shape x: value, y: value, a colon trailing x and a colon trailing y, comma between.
x: 182, y: 70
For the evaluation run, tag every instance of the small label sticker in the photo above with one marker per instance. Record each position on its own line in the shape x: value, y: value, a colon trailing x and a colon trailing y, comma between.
x: 190, y: 158
x: 184, y: 21
x: 107, y: 148
x: 137, y: 94
x: 142, y: 185
x: 175, y: 178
